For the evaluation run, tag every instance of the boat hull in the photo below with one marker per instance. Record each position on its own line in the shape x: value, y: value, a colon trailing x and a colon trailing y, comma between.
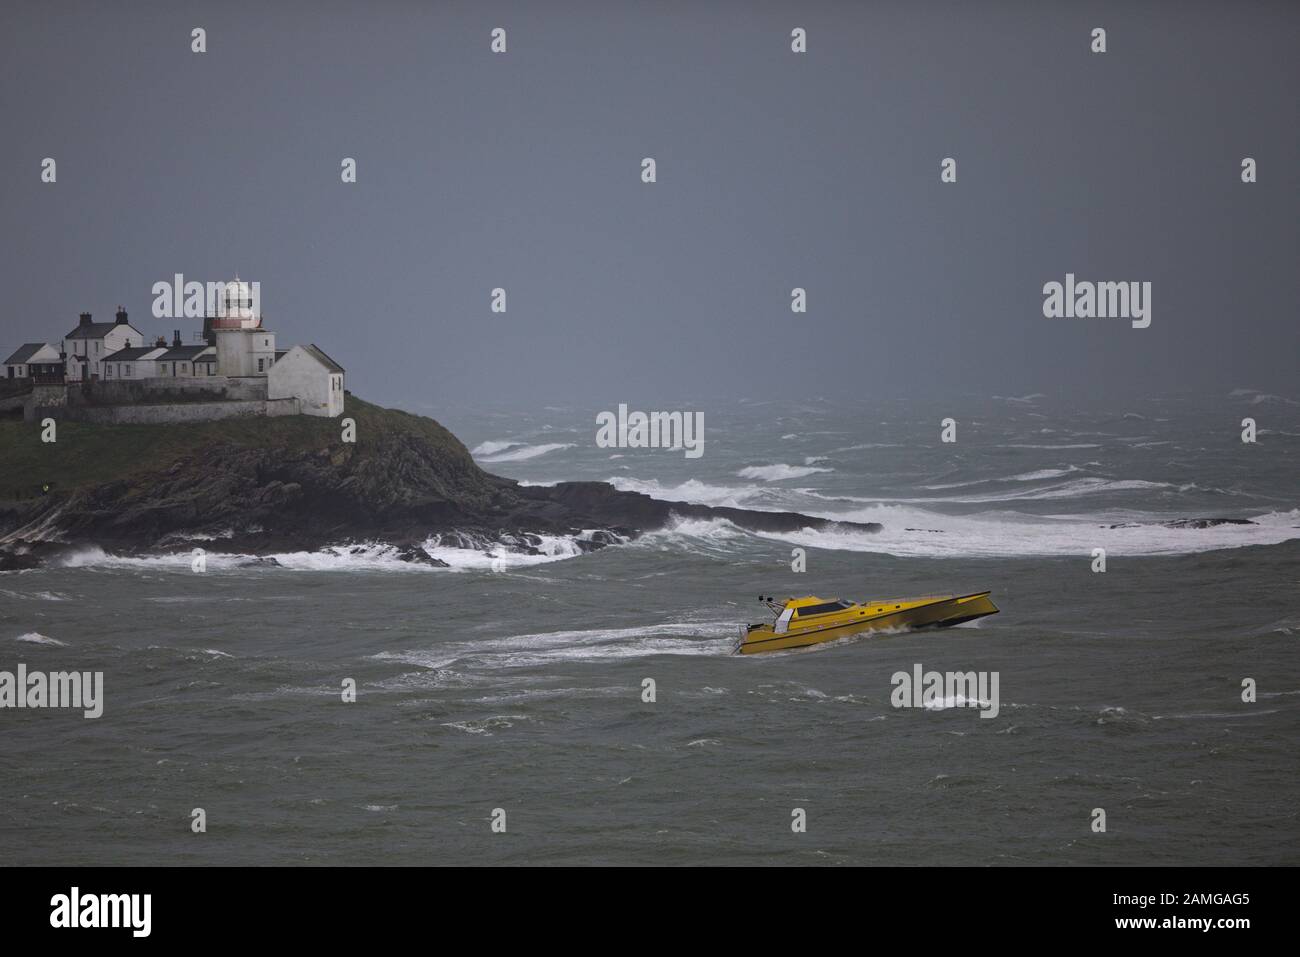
x: 942, y: 612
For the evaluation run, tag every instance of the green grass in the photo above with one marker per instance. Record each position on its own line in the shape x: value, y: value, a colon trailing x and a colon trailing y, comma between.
x: 88, y: 455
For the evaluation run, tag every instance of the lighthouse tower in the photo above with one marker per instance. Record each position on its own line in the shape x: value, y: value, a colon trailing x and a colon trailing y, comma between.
x: 244, y: 346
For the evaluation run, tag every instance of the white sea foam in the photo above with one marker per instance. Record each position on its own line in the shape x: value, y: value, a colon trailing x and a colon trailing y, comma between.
x: 33, y: 595
x: 1040, y: 474
x: 1035, y: 476
x: 916, y: 532
x: 36, y: 638
x: 459, y: 553
x: 694, y: 534
x: 702, y: 493
x: 492, y: 448
x: 503, y: 556
x: 1071, y: 489
x: 1083, y: 445
x: 524, y: 452
x: 913, y: 532
x: 779, y: 472
x: 768, y: 498
x: 956, y: 701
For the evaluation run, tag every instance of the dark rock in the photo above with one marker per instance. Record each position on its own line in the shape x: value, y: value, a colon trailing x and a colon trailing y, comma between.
x: 1206, y: 522
x: 290, y: 485
x: 1190, y: 523
x: 417, y: 555
x: 17, y: 562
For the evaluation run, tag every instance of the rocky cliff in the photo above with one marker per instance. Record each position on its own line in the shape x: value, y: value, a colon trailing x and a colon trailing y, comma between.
x: 266, y: 485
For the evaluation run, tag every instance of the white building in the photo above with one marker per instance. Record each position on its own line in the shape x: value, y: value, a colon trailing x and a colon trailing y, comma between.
x: 33, y: 358
x: 312, y: 377
x: 180, y: 361
x: 234, y: 344
x: 243, y: 346
x: 136, y: 362
x: 85, y: 347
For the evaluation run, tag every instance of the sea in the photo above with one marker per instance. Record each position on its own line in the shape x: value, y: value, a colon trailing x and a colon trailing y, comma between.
x: 559, y: 706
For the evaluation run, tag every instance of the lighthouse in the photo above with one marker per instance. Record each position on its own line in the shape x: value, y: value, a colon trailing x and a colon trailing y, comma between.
x: 244, y: 346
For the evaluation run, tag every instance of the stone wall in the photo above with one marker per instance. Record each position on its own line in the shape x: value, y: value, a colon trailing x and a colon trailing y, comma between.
x: 164, y: 389
x: 45, y: 400
x: 164, y: 413
x: 16, y: 386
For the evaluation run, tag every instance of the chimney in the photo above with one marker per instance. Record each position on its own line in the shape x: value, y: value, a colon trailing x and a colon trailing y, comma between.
x: 121, y: 316
x: 176, y: 337
x: 162, y: 341
x: 85, y: 318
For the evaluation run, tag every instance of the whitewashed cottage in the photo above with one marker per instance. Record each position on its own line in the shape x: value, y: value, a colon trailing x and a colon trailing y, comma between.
x: 309, y: 375
x: 33, y: 359
x: 86, y: 346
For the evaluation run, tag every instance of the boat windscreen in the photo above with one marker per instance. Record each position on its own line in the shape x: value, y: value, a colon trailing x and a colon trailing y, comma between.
x: 822, y: 608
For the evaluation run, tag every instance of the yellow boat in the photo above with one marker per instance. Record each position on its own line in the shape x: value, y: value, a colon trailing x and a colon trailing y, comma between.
x: 811, y: 621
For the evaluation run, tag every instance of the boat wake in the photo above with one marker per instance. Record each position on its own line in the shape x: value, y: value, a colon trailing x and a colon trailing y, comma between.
x: 588, y: 645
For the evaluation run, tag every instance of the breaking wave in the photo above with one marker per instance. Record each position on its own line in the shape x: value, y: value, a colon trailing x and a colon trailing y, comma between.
x: 36, y: 638
x: 492, y: 448
x: 779, y: 472
x: 812, y: 501
x: 458, y: 552
x: 516, y: 452
x: 917, y: 533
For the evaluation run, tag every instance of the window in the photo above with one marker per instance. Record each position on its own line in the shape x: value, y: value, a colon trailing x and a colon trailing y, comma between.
x: 108, y: 370
x: 822, y: 609
x: 259, y: 364
x: 126, y: 370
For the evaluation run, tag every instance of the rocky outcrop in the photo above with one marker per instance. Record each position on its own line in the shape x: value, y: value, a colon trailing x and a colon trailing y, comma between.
x: 289, y: 484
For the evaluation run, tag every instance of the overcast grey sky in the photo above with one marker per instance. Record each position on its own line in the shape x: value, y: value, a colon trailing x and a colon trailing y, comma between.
x: 775, y: 170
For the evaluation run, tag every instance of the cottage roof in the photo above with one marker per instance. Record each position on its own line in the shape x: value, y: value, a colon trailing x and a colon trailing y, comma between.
x: 184, y: 353
x: 25, y: 352
x: 315, y: 352
x: 134, y: 353
x: 98, y: 330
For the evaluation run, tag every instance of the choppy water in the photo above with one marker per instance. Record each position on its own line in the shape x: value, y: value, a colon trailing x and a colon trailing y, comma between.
x: 521, y: 689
